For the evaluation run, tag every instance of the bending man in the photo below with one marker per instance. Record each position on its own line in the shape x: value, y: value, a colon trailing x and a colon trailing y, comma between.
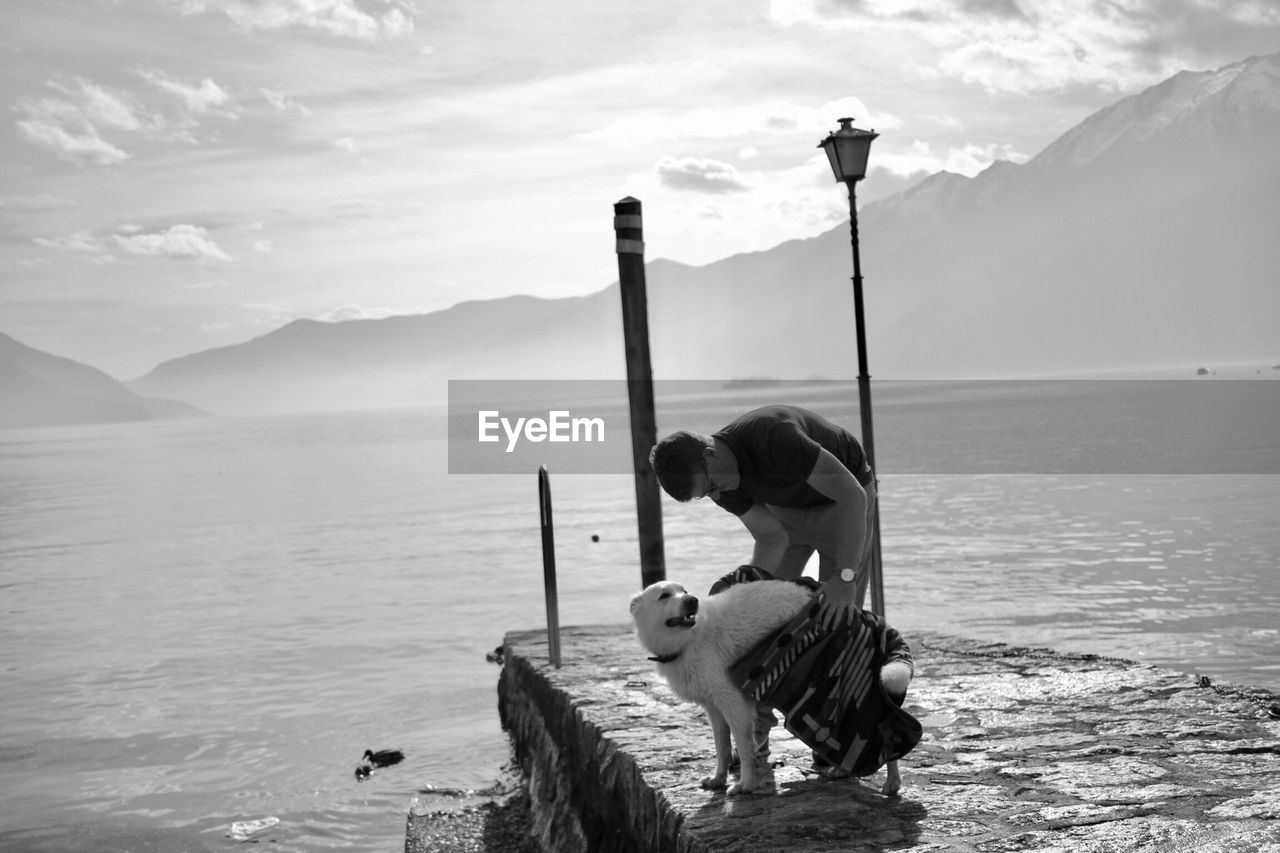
x: 798, y: 482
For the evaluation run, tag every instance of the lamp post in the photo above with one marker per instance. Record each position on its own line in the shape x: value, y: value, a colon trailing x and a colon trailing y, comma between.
x: 848, y: 149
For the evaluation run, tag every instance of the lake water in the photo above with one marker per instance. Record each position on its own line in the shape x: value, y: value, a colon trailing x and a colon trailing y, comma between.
x: 207, y: 622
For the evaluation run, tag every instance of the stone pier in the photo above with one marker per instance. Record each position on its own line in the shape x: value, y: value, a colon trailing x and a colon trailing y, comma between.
x: 1024, y: 749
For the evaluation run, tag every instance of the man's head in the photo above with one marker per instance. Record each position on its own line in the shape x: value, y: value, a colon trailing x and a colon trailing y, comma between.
x: 680, y: 461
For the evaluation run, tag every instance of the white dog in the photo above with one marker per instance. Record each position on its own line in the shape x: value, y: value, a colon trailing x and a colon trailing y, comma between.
x: 694, y: 644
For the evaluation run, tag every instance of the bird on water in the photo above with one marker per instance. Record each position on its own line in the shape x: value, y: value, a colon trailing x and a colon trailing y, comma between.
x: 383, y: 757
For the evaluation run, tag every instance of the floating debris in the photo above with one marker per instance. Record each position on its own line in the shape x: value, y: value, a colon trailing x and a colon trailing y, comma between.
x: 243, y: 830
x: 453, y: 793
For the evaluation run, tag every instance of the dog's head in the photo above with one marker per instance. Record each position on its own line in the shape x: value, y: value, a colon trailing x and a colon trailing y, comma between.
x: 664, y: 613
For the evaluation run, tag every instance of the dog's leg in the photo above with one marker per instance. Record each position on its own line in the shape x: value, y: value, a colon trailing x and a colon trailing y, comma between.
x: 741, y: 717
x: 720, y: 734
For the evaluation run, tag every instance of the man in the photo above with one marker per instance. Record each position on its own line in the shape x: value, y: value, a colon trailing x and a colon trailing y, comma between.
x: 798, y: 482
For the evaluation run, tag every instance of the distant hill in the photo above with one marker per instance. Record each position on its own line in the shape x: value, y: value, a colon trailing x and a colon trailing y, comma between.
x: 1145, y: 235
x: 40, y: 390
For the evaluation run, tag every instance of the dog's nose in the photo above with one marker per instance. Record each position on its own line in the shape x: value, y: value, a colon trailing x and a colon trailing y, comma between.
x: 691, y: 605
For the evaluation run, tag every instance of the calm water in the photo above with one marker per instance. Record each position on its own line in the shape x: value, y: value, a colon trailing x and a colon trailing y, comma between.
x: 209, y: 622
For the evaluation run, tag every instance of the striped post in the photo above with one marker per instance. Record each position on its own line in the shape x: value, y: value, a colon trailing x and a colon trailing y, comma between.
x: 629, y: 233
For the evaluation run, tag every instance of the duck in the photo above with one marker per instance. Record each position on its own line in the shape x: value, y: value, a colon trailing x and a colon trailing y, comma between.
x: 363, y: 772
x: 383, y: 757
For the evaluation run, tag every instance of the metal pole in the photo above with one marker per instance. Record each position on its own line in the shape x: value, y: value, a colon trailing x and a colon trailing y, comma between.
x: 629, y: 231
x: 549, y: 565
x: 864, y: 405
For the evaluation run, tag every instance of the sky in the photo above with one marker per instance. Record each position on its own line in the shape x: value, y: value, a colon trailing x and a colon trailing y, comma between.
x: 185, y: 174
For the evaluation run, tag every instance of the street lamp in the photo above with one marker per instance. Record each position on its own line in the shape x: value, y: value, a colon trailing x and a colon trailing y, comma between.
x: 848, y: 149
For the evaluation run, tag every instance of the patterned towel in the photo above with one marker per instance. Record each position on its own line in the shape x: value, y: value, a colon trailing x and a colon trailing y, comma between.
x: 827, y: 685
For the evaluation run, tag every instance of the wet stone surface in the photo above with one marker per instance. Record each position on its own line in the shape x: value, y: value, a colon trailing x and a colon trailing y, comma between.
x: 1024, y: 749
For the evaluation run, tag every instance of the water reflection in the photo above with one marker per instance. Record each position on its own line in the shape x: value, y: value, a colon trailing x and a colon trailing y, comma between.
x: 1175, y: 571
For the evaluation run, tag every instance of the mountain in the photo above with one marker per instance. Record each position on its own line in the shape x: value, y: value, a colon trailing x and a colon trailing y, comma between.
x: 40, y: 389
x: 396, y: 361
x: 1143, y: 236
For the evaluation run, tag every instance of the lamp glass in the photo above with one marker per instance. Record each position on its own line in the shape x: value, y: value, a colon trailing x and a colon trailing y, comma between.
x: 853, y: 152
x: 833, y: 154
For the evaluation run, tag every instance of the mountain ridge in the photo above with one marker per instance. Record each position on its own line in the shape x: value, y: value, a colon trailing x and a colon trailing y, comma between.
x: 1141, y: 235
x: 41, y: 389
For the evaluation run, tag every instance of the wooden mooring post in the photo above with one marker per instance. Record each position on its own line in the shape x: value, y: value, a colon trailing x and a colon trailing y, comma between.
x: 549, y: 584
x: 629, y: 233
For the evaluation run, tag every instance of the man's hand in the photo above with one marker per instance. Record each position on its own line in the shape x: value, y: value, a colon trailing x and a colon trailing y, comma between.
x: 837, y: 600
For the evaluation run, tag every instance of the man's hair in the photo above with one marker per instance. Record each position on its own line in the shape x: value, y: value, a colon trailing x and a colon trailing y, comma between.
x: 675, y: 459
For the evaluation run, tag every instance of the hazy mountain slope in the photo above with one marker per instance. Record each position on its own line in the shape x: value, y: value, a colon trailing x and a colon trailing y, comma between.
x: 40, y: 389
x: 310, y: 365
x: 1144, y: 235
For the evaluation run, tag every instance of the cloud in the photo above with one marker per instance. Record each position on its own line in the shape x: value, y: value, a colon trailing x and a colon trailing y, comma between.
x: 968, y: 159
x: 747, y: 122
x: 1024, y: 48
x: 342, y: 18
x: 347, y: 144
x: 70, y: 122
x: 344, y: 313
x: 74, y: 121
x: 80, y: 241
x: 1030, y: 62
x: 706, y: 176
x: 358, y: 208
x: 178, y: 241
x: 108, y: 108
x: 283, y: 102
x: 207, y: 96
x: 1201, y: 33
x: 69, y: 140
x: 42, y: 203
x: 996, y: 8
x: 85, y: 123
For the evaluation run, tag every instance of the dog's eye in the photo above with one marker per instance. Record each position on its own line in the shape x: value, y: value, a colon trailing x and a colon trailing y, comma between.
x: 665, y: 595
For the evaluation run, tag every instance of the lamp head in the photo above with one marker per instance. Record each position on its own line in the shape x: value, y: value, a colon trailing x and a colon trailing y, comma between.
x: 848, y: 149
